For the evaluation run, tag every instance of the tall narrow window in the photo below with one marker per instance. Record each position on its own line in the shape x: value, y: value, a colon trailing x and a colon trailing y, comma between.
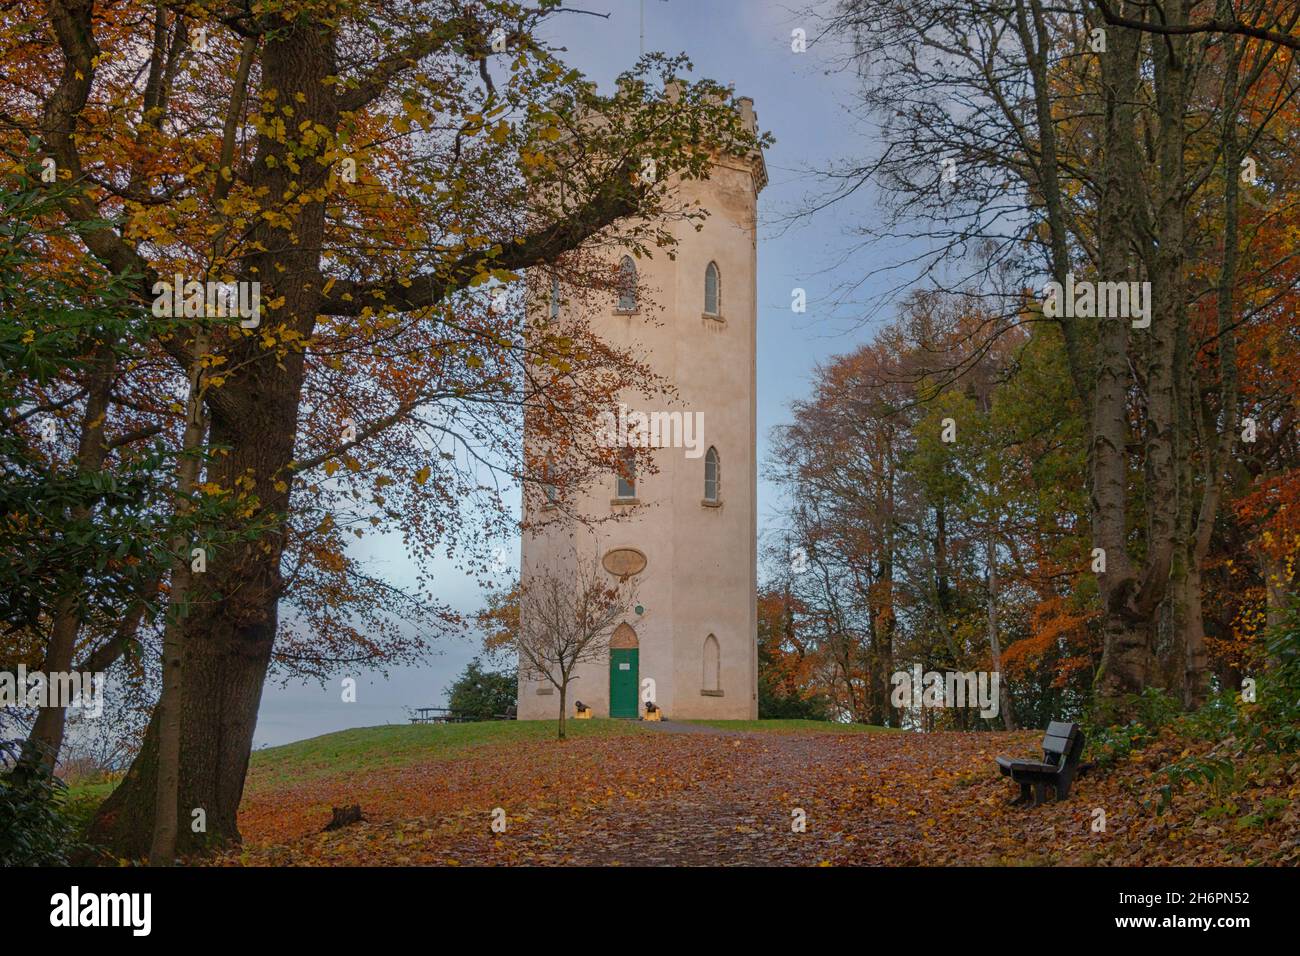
x: 712, y: 665
x: 711, y: 475
x: 625, y: 485
x: 555, y: 298
x: 627, y: 285
x: 548, y: 488
x: 551, y: 493
x: 711, y: 297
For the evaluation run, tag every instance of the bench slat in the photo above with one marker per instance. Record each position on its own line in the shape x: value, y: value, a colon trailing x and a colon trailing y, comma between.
x: 1059, y: 728
x: 1033, y: 766
x: 1056, y: 745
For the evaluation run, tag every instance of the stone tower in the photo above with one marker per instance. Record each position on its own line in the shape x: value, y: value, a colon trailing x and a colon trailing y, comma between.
x: 688, y: 533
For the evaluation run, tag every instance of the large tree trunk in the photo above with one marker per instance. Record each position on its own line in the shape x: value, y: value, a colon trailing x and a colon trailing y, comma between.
x: 227, y: 651
x: 1130, y: 605
x: 170, y: 703
x: 254, y: 414
x: 1174, y: 622
x: 1124, y: 655
x: 1168, y: 439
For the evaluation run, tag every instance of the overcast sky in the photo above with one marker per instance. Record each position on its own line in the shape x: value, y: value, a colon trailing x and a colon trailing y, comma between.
x: 802, y: 100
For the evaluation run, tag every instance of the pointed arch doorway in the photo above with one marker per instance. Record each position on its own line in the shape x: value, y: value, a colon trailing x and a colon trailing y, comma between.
x: 624, y: 649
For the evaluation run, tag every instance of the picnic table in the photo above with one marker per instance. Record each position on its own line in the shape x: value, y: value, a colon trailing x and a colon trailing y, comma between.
x: 436, y: 715
x: 445, y: 715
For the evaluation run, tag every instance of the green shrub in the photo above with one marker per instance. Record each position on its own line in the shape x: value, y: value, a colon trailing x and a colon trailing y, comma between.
x: 480, y: 694
x: 773, y: 706
x: 1268, y: 725
x: 33, y: 828
x: 1109, y: 744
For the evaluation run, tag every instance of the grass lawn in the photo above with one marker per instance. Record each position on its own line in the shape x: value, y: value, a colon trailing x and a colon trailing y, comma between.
x: 795, y: 726
x: 396, y: 745
x: 84, y: 797
x: 375, y: 748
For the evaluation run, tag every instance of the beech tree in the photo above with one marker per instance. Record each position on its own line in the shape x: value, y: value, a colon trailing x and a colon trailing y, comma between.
x: 380, y: 171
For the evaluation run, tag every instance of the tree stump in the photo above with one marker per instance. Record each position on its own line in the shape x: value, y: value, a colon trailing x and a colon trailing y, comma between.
x: 344, y: 816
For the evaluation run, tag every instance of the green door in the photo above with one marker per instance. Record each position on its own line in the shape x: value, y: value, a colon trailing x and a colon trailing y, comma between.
x: 623, y: 681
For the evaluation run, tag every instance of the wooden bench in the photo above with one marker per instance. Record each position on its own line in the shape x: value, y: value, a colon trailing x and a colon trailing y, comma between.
x: 1062, y: 748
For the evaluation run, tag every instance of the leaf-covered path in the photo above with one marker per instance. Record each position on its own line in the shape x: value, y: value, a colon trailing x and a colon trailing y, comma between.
x: 699, y: 798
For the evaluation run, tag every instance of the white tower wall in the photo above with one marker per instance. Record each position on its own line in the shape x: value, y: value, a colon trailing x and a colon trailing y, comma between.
x: 701, y: 560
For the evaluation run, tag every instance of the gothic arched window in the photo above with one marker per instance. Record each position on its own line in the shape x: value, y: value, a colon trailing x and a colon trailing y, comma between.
x: 712, y: 664
x: 712, y: 292
x: 712, y: 475
x: 625, y: 483
x: 551, y: 493
x: 627, y: 285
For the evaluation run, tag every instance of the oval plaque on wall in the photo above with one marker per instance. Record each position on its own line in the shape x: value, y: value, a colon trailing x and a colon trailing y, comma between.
x: 624, y: 562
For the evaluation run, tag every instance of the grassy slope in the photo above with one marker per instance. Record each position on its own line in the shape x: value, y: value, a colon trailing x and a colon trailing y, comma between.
x: 394, y: 745
x: 373, y: 748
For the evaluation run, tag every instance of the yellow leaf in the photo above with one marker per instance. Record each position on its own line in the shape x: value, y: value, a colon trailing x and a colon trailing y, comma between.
x: 422, y: 475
